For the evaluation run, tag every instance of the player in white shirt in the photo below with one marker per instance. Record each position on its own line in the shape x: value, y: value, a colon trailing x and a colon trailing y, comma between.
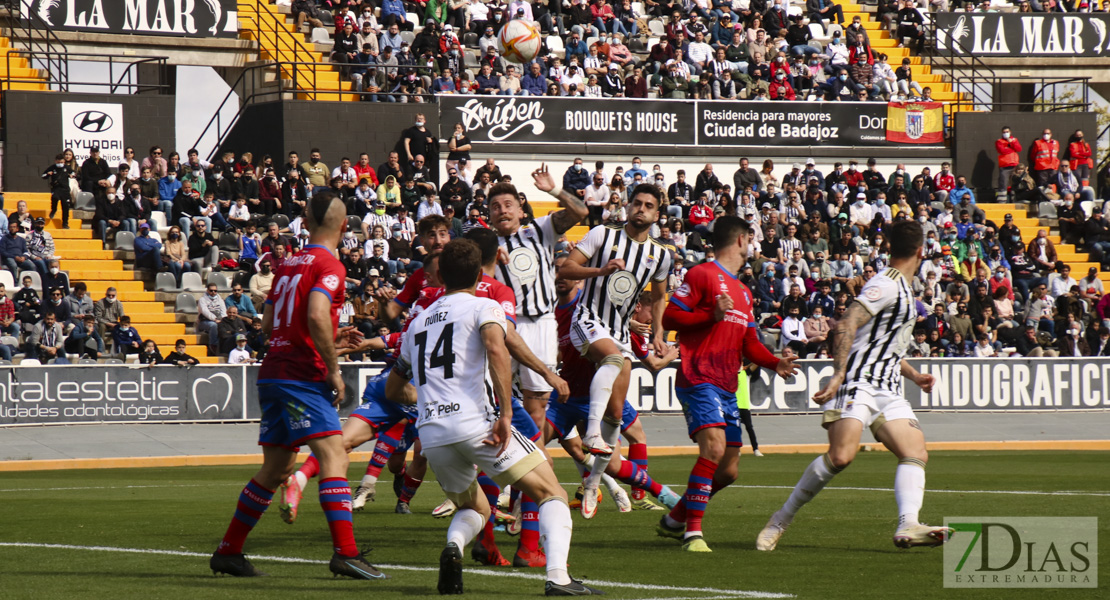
x: 529, y: 269
x: 616, y: 265
x: 455, y: 355
x: 869, y: 349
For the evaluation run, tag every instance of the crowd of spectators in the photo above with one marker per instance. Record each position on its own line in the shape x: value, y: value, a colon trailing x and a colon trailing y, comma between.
x: 706, y: 49
x: 820, y: 237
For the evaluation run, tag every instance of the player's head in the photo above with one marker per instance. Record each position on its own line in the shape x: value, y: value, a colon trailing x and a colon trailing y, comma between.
x: 563, y: 286
x: 431, y: 269
x: 731, y: 232
x: 906, y: 240
x: 505, y: 211
x: 643, y: 307
x: 643, y: 208
x: 486, y: 240
x: 460, y: 264
x: 434, y: 231
x: 326, y: 213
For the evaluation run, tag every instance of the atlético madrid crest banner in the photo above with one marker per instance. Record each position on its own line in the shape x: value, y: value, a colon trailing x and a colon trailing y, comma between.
x: 915, y: 123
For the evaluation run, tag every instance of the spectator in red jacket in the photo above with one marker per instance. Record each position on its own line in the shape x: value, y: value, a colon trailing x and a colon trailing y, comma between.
x: 1009, y: 153
x: 944, y: 182
x: 1079, y: 158
x: 780, y: 88
x: 364, y: 170
x: 701, y: 214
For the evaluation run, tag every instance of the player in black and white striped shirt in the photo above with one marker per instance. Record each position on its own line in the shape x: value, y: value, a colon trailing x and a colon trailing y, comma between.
x: 530, y: 272
x: 869, y: 350
x: 615, y: 264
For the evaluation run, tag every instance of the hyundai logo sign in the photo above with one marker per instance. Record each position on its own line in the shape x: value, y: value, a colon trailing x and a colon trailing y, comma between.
x: 93, y: 121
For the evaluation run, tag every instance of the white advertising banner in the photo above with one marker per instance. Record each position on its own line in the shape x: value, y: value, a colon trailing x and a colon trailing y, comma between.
x: 88, y: 124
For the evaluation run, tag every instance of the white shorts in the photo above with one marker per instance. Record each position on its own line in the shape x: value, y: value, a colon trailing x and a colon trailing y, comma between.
x: 865, y: 403
x: 542, y: 338
x: 584, y: 332
x: 454, y: 464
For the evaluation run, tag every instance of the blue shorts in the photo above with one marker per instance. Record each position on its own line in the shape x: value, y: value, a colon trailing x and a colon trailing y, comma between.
x: 380, y: 413
x: 294, y: 412
x: 563, y: 417
x: 707, y: 405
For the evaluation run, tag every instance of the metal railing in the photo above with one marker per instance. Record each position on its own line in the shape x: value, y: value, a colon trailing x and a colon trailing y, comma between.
x: 286, y: 80
x: 42, y: 43
x: 127, y: 81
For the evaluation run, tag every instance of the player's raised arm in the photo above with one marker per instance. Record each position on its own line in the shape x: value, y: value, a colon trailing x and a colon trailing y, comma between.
x: 323, y: 337
x: 857, y: 316
x: 658, y: 306
x: 574, y: 209
x: 500, y: 370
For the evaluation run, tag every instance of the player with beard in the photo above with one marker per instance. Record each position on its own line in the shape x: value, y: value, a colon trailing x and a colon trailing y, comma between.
x: 616, y: 264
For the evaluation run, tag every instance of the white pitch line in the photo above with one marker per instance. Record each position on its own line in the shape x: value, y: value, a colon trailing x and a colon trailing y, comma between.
x: 1091, y: 494
x: 718, y: 593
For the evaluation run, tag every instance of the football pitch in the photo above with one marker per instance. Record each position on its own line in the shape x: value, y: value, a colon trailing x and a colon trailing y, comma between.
x: 147, y: 533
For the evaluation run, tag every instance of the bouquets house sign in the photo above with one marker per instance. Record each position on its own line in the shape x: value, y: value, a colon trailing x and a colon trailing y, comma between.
x: 622, y: 121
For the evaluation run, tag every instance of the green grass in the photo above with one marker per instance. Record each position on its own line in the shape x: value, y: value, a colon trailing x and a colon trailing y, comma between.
x: 839, y: 546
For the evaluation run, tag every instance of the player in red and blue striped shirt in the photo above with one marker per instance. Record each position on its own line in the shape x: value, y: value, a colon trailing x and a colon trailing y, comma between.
x: 299, y: 385
x: 712, y: 313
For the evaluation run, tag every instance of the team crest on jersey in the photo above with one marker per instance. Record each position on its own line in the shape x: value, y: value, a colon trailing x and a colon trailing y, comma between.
x: 498, y: 313
x: 683, y: 290
x: 872, y: 293
x: 331, y: 282
x: 508, y: 307
x: 527, y: 231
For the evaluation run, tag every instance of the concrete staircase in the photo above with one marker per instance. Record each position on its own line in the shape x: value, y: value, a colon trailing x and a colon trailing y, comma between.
x: 883, y: 41
x: 83, y: 258
x: 278, y: 40
x: 1079, y: 260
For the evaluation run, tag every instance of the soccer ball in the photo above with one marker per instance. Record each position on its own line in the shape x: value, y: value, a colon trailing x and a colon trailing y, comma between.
x: 519, y: 41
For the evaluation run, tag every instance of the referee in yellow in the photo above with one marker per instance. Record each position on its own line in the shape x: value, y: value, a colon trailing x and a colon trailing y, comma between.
x: 745, y: 405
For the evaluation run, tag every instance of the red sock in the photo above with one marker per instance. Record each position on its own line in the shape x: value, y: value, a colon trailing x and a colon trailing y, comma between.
x: 678, y: 513
x: 384, y: 447
x: 311, y: 467
x: 408, y: 488
x: 253, y: 501
x: 637, y: 453
x: 335, y: 499
x: 530, y: 528
x: 633, y: 475
x: 698, y: 491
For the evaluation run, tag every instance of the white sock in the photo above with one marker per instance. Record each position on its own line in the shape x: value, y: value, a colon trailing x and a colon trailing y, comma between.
x: 586, y: 465
x: 369, y: 480
x: 555, y: 528
x: 302, y: 480
x: 465, y: 526
x: 909, y: 490
x: 601, y: 389
x: 611, y: 434
x: 611, y: 484
x: 817, y: 474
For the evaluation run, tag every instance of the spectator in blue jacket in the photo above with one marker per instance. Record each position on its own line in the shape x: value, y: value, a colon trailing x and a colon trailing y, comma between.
x: 125, y: 339
x: 168, y: 187
x: 957, y: 193
x: 148, y: 251
x: 241, y: 301
x: 841, y: 87
x: 393, y: 11
x: 576, y: 179
x: 13, y: 250
x: 575, y: 47
x: 534, y: 83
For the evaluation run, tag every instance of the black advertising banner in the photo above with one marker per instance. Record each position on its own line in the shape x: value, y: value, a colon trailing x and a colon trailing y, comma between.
x: 53, y: 395
x: 548, y: 120
x: 180, y: 18
x: 792, y: 124
x: 1023, y: 34
x: 107, y: 394
x: 531, y: 120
